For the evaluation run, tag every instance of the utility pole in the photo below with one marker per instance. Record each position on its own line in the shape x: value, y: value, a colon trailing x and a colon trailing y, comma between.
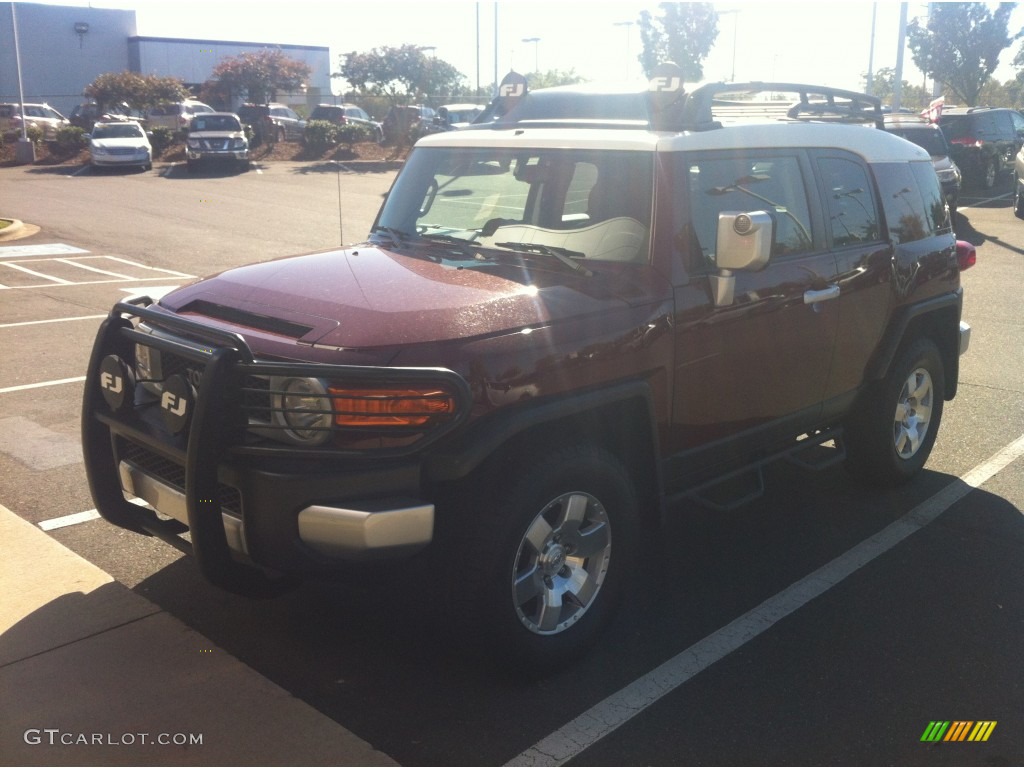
x: 897, y: 86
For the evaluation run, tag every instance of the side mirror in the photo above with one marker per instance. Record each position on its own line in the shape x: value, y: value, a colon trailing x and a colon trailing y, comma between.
x: 744, y: 243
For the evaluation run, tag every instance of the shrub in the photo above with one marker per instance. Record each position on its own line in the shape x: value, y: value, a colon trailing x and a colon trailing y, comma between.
x: 352, y: 133
x: 35, y: 134
x: 70, y: 140
x: 161, y: 138
x: 321, y: 135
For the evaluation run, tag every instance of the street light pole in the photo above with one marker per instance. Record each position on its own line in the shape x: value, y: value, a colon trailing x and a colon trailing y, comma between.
x: 629, y: 34
x: 735, y: 12
x: 533, y: 40
x: 25, y: 152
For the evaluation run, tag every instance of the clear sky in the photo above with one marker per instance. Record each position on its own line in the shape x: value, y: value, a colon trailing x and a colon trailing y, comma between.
x: 824, y: 42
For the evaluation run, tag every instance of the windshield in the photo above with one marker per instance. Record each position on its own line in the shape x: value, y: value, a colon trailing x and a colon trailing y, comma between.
x: 215, y: 123
x: 929, y: 139
x: 117, y: 131
x: 586, y: 204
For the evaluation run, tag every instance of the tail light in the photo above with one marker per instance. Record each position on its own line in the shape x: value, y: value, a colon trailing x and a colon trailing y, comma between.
x: 966, y: 254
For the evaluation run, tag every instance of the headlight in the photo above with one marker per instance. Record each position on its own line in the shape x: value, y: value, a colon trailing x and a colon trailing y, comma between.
x: 97, y: 150
x: 193, y: 143
x: 239, y: 144
x: 302, y: 407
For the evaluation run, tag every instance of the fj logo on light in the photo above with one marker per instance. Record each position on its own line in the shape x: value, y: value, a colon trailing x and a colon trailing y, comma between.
x: 958, y: 730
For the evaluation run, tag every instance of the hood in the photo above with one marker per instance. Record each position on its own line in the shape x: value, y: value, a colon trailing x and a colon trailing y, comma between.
x: 132, y: 142
x: 368, y: 297
x: 216, y: 135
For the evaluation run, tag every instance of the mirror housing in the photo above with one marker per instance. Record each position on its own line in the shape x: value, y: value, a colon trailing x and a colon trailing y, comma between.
x: 744, y: 243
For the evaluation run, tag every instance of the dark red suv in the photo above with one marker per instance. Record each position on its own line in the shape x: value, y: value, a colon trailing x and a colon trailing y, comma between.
x: 556, y: 330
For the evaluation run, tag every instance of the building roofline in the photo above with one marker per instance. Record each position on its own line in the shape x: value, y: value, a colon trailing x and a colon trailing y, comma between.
x: 210, y: 41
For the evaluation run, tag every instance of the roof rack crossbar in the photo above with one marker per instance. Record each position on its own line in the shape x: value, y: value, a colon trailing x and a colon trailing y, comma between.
x: 814, y: 102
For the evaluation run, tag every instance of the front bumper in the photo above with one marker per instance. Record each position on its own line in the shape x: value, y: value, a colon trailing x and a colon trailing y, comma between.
x: 138, y: 158
x: 290, y: 510
x: 216, y: 154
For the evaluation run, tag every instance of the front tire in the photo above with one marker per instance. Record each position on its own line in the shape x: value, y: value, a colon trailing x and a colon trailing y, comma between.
x: 548, y: 559
x: 890, y: 437
x: 1018, y: 198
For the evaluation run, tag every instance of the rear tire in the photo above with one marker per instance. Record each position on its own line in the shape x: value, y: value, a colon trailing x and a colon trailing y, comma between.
x: 546, y: 557
x: 889, y: 438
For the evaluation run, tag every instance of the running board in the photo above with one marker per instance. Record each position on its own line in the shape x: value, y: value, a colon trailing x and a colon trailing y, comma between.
x: 725, y: 494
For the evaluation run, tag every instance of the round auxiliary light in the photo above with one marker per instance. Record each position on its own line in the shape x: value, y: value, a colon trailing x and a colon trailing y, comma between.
x: 117, y: 384
x: 304, y: 409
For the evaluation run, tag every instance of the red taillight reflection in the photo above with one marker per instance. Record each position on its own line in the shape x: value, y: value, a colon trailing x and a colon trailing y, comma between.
x: 966, y: 254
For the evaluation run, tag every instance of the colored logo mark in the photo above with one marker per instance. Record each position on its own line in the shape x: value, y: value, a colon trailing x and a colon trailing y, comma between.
x: 958, y: 730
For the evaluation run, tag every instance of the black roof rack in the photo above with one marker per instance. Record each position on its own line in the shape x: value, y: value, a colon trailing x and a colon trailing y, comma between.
x: 815, y: 102
x: 666, y: 106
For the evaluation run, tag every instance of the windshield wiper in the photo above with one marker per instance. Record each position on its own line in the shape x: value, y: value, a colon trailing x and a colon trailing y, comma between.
x: 398, y: 237
x: 562, y: 255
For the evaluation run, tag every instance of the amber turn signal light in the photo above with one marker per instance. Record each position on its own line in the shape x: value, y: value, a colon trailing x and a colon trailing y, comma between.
x: 387, y: 407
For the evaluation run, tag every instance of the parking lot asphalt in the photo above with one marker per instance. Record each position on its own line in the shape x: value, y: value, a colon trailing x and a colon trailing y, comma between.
x: 146, y: 687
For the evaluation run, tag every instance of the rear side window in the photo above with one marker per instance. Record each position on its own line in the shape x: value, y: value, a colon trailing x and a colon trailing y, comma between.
x: 912, y: 200
x: 853, y: 216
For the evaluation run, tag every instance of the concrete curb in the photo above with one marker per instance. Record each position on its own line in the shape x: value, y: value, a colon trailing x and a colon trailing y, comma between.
x: 94, y: 674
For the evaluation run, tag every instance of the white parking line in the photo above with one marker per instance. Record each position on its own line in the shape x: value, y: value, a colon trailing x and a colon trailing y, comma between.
x: 64, y: 522
x: 27, y: 271
x: 982, y: 202
x: 43, y: 249
x: 22, y: 387
x: 55, y: 320
x: 80, y: 265
x: 622, y: 706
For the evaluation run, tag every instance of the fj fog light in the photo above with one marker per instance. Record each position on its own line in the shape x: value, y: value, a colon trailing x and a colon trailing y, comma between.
x: 302, y: 407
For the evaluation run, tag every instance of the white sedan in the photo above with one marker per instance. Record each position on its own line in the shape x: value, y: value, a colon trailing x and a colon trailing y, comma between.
x: 122, y: 143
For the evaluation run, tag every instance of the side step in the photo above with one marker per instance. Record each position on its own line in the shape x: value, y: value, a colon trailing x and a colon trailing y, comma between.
x: 816, y: 452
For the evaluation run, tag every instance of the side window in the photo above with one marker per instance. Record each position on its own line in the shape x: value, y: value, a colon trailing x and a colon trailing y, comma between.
x: 909, y: 198
x: 853, y: 216
x: 931, y: 195
x: 771, y: 183
x: 577, y: 196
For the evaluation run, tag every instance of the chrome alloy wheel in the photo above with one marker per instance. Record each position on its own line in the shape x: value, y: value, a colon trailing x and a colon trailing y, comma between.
x: 561, y: 563
x: 913, y: 413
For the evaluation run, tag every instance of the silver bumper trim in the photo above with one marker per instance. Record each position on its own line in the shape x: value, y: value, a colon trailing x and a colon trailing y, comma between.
x: 379, y: 529
x: 169, y: 501
x: 965, y: 336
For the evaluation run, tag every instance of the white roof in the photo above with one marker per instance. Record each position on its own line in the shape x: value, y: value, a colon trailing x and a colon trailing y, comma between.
x: 872, y: 144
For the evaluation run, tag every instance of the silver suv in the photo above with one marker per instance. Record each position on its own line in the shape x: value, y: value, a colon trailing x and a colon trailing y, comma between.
x: 175, y: 116
x: 42, y: 116
x: 216, y: 136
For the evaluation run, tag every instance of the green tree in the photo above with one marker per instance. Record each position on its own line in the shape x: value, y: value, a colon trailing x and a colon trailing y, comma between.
x: 683, y: 33
x: 258, y: 76
x: 137, y: 91
x: 883, y: 85
x: 551, y: 78
x: 401, y: 74
x: 960, y: 44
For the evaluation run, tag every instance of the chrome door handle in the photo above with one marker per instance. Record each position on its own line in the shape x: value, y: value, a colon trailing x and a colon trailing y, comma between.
x: 813, y: 297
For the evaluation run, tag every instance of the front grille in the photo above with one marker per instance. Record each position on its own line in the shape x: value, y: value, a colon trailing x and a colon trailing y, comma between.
x: 173, y: 474
x: 123, y: 151
x: 161, y: 468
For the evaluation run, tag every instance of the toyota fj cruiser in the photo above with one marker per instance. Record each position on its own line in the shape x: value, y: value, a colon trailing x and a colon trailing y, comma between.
x: 563, y: 321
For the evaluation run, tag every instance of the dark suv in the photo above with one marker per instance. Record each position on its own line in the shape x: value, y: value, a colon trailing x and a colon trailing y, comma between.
x: 340, y: 114
x: 984, y: 141
x: 557, y: 329
x: 932, y: 140
x: 272, y: 122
